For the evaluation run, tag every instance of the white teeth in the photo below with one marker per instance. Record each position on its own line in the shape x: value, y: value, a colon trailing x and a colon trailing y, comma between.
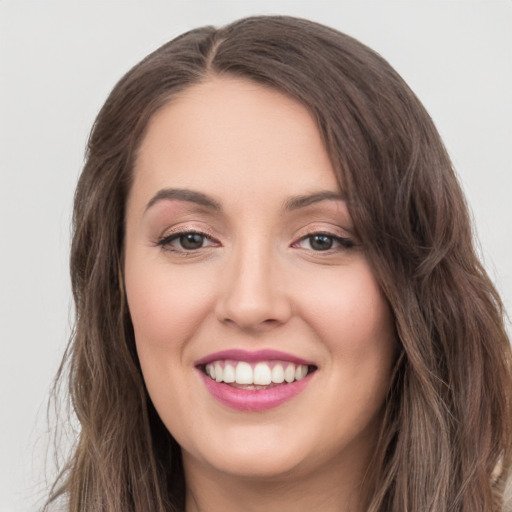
x: 277, y: 374
x: 229, y: 374
x: 289, y: 373
x: 262, y: 374
x: 301, y: 372
x: 243, y: 373
x: 218, y: 372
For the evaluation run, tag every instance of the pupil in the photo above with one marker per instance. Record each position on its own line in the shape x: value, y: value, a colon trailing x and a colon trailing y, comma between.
x: 321, y: 242
x: 191, y: 241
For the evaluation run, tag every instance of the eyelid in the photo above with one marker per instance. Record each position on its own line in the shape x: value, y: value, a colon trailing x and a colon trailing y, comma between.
x: 323, y: 228
x: 184, y: 228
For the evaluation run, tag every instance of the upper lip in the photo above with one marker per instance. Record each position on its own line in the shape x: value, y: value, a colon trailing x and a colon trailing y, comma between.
x: 252, y: 356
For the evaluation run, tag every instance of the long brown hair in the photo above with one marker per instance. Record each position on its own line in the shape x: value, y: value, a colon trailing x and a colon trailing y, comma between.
x: 448, y: 414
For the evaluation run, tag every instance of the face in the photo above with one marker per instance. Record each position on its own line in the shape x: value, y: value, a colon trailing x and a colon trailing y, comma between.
x: 264, y: 340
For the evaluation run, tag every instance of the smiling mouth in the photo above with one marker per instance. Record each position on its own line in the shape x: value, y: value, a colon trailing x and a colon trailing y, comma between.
x: 256, y: 375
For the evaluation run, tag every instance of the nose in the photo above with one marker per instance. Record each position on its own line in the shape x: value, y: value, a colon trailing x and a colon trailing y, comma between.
x: 252, y: 294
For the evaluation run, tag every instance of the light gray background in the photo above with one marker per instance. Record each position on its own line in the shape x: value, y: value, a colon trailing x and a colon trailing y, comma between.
x: 59, y: 60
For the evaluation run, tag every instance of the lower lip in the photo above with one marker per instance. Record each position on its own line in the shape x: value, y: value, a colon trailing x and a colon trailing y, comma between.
x: 254, y: 399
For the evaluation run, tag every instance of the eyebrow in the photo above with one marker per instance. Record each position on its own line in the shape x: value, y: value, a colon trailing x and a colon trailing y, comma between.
x: 183, y: 194
x: 297, y: 202
x: 192, y: 196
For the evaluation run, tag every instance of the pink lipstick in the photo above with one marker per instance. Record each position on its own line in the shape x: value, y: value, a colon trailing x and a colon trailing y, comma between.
x: 254, y: 381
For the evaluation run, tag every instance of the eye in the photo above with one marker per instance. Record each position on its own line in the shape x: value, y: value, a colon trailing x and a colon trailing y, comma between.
x: 191, y: 241
x: 323, y: 242
x: 186, y: 241
x: 320, y: 242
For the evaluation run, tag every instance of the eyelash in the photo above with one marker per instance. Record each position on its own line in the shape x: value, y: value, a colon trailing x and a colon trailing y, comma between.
x: 344, y: 243
x: 166, y: 241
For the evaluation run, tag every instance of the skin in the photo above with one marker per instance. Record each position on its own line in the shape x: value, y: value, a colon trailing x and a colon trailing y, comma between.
x: 257, y: 282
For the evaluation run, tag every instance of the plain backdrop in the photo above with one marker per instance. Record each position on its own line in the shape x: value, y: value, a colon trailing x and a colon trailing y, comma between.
x: 58, y: 62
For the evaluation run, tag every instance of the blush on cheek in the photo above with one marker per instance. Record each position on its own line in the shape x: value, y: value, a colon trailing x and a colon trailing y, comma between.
x: 166, y: 312
x: 363, y: 323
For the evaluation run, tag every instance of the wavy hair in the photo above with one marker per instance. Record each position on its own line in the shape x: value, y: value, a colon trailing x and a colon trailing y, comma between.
x: 447, y: 424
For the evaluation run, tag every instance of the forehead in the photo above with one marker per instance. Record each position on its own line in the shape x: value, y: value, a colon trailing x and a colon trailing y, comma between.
x: 229, y: 132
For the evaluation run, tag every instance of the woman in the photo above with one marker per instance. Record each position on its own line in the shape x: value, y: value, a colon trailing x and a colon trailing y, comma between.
x: 278, y: 303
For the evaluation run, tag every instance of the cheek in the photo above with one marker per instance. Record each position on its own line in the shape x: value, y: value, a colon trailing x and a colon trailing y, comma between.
x: 166, y: 304
x: 348, y: 308
x: 167, y: 307
x: 352, y: 319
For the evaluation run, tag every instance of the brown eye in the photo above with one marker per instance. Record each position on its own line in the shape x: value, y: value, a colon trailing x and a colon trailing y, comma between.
x: 186, y: 241
x: 321, y: 242
x: 191, y: 241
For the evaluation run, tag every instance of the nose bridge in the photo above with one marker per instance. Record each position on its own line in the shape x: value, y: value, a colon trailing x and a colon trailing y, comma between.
x: 252, y: 295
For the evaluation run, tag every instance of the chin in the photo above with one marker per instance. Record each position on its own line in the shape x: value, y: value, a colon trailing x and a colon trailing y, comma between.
x: 255, y: 453
x: 258, y: 467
